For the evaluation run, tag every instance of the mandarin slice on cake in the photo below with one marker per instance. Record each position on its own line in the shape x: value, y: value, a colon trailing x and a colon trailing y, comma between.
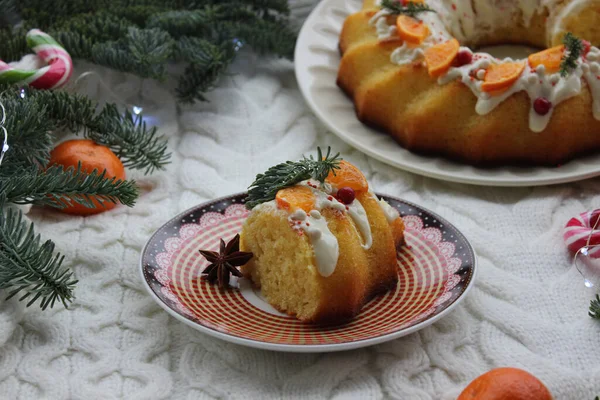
x: 550, y: 58
x: 440, y: 57
x: 500, y: 77
x: 412, y: 30
x: 295, y: 197
x: 349, y: 176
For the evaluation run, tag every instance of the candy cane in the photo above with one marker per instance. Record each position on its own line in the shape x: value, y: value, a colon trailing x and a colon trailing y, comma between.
x: 582, y: 231
x: 54, y: 75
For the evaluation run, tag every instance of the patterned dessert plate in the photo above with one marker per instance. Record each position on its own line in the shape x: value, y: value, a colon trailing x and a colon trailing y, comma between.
x: 317, y: 60
x: 436, y: 269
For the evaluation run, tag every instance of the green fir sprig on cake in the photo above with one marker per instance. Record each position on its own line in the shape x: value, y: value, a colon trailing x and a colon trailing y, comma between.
x: 574, y: 48
x: 289, y: 173
x: 410, y: 8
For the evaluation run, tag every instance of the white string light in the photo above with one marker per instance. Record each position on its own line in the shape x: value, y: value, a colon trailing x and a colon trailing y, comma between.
x: 588, y: 264
x: 4, y: 148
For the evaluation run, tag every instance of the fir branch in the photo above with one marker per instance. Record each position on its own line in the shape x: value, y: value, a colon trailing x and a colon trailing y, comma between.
x: 208, y: 63
x: 29, y: 265
x: 144, y: 52
x: 29, y: 137
x: 14, y: 44
x: 60, y: 188
x: 410, y: 8
x: 264, y: 37
x: 595, y: 308
x: 265, y: 186
x: 143, y: 36
x: 128, y: 136
x: 130, y: 139
x: 573, y: 50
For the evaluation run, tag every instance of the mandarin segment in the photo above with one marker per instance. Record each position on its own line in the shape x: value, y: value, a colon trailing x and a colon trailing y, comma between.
x: 296, y: 197
x: 506, y: 384
x: 500, y: 77
x: 550, y: 58
x: 439, y: 58
x: 349, y: 176
x: 411, y: 30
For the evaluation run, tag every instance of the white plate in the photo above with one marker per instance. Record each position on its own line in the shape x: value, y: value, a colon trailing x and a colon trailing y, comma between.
x: 317, y: 59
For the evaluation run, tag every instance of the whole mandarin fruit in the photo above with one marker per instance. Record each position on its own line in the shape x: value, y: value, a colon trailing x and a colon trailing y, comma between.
x: 91, y: 156
x: 506, y: 384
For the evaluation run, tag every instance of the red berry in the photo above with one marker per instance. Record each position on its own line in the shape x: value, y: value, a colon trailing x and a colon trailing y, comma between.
x: 464, y: 57
x: 542, y: 105
x: 346, y: 195
x: 587, y: 46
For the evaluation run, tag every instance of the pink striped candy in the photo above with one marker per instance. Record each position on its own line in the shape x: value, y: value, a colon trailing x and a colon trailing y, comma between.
x: 579, y: 229
x: 52, y: 76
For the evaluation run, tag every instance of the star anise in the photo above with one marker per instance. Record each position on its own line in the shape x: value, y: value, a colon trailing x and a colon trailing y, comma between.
x: 225, y: 263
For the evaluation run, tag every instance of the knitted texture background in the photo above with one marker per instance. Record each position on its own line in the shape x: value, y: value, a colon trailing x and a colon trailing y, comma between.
x: 528, y: 308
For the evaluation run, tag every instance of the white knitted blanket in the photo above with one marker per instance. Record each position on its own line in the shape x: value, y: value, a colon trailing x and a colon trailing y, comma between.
x: 528, y: 308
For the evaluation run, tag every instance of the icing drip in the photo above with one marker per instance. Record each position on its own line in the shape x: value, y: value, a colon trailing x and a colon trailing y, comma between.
x: 355, y: 210
x: 324, y: 243
x: 391, y: 214
x: 385, y: 31
x: 406, y: 54
x: 591, y: 73
x: 359, y: 216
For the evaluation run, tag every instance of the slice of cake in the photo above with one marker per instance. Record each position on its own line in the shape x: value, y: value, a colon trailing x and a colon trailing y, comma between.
x: 325, y: 245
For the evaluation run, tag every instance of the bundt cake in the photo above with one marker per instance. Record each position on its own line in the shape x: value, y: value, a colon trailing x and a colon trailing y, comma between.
x: 323, y: 249
x: 408, y: 69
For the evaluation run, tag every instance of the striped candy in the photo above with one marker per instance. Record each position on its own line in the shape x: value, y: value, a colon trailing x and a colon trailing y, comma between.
x: 54, y: 75
x: 580, y: 229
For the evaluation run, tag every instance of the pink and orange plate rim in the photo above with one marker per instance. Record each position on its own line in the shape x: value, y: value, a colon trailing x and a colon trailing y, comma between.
x: 436, y: 270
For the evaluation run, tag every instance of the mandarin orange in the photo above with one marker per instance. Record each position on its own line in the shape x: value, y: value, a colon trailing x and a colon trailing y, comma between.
x: 506, y: 384
x: 92, y: 157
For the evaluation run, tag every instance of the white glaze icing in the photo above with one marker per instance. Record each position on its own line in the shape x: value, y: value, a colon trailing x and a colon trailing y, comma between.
x: 406, y: 54
x: 325, y: 199
x: 361, y: 220
x: 591, y: 73
x: 324, y: 243
x: 468, y: 20
x: 391, y: 214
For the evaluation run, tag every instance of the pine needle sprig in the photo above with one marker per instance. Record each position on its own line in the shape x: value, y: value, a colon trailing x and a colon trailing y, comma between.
x: 141, y: 36
x: 29, y: 265
x: 265, y: 186
x: 60, y: 188
x: 573, y: 50
x: 595, y: 308
x: 127, y: 135
x: 411, y: 9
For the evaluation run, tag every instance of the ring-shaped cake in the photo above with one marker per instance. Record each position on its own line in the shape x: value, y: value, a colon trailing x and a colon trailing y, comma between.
x: 416, y: 77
